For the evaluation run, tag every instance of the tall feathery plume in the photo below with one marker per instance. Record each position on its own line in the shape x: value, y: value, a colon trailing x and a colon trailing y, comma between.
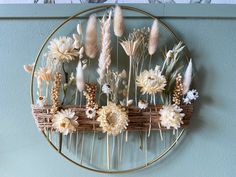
x: 188, y: 77
x: 104, y: 60
x: 79, y: 81
x: 153, y: 39
x: 118, y: 21
x: 91, y: 37
x: 118, y: 29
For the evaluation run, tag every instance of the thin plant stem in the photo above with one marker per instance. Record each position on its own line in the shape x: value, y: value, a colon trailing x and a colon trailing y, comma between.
x: 76, y: 143
x: 150, y: 62
x: 89, y: 63
x: 108, y: 152
x: 60, y: 143
x: 92, y: 149
x: 81, y: 99
x: 146, y: 150
x: 129, y: 79
x: 76, y: 95
x: 117, y: 53
x: 121, y: 147
x: 113, y: 146
x: 70, y: 141
x: 47, y: 88
x: 82, y: 148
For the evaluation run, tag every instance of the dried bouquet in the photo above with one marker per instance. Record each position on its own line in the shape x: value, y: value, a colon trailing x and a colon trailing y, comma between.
x: 156, y: 96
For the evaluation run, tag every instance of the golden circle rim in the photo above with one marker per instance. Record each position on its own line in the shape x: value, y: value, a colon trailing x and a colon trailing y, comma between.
x: 97, y: 7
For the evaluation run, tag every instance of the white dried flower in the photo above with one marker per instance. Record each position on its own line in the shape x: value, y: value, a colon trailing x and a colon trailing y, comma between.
x: 65, y: 122
x: 91, y: 37
x: 153, y: 38
x: 190, y: 96
x: 44, y: 74
x: 42, y: 101
x: 123, y: 74
x: 171, y: 116
x: 28, y: 68
x: 151, y: 81
x: 77, y: 43
x: 130, y: 46
x: 118, y: 21
x: 130, y: 102
x: 142, y: 104
x: 113, y: 119
x: 62, y: 49
x: 91, y: 113
x: 106, y: 88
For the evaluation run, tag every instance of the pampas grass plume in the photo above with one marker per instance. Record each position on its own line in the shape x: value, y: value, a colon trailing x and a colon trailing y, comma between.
x: 188, y: 77
x: 118, y: 21
x: 153, y: 38
x: 79, y: 77
x: 91, y: 37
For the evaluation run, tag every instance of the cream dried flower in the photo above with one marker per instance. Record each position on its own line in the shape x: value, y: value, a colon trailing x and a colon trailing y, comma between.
x: 113, y: 119
x: 171, y: 116
x: 28, y: 68
x: 130, y: 46
x: 151, y: 81
x: 153, y: 38
x: 90, y: 113
x: 44, y: 74
x: 62, y: 49
x: 64, y: 121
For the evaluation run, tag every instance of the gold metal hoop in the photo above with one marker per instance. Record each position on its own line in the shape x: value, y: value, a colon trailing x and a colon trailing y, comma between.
x: 103, y: 7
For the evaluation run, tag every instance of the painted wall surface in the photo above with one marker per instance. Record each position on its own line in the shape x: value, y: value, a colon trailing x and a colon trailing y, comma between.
x: 209, y: 146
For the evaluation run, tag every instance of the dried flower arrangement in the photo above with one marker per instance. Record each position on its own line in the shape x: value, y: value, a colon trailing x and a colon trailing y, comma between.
x: 162, y: 100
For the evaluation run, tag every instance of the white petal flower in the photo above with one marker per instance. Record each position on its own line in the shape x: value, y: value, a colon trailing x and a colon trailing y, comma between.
x: 90, y: 113
x: 106, y: 88
x: 171, y: 116
x: 142, y: 104
x: 62, y: 49
x: 151, y: 81
x: 190, y: 96
x: 65, y: 122
x: 42, y: 101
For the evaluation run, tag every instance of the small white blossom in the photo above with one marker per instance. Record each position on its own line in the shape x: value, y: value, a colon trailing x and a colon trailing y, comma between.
x: 90, y: 113
x: 190, y: 96
x: 42, y: 101
x: 142, y: 104
x: 106, y: 88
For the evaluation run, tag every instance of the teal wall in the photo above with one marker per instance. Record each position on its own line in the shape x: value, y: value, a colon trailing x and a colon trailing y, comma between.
x: 209, y: 146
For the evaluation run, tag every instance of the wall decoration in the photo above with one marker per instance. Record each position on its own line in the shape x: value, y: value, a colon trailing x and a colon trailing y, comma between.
x: 111, y: 97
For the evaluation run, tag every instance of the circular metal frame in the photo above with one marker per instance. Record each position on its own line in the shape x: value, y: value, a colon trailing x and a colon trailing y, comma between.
x: 103, y: 7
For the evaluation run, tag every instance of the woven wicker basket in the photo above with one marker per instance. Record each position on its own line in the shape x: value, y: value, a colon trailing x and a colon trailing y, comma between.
x: 139, y: 120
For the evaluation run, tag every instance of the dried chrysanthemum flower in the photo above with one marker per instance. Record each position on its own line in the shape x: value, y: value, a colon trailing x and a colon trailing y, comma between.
x: 113, y: 119
x: 65, y: 122
x: 151, y: 81
x: 62, y: 49
x: 178, y: 90
x: 171, y: 116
